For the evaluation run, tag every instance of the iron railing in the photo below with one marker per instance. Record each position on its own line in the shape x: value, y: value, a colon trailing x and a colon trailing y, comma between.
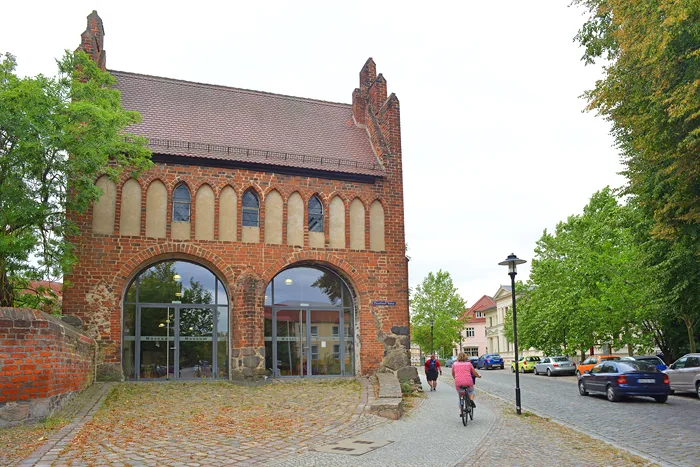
x: 256, y: 154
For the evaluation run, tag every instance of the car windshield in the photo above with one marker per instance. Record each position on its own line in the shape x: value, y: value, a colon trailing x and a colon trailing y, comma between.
x: 626, y: 366
x: 652, y: 360
x: 560, y: 359
x: 495, y: 356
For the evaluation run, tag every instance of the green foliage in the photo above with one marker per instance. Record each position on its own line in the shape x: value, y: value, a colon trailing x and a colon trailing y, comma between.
x: 602, y: 278
x: 651, y: 95
x: 57, y: 135
x: 585, y: 287
x: 436, y: 298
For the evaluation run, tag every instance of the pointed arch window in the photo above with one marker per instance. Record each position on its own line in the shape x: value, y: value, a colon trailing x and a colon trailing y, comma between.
x: 315, y: 215
x: 251, y: 209
x: 182, y: 203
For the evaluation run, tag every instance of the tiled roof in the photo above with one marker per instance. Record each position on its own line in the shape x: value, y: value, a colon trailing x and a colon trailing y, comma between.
x: 217, y: 122
x: 484, y: 303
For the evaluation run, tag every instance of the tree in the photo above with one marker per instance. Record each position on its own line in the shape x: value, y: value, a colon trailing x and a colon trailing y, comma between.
x: 437, y: 299
x: 57, y: 135
x: 651, y: 95
x: 587, y: 286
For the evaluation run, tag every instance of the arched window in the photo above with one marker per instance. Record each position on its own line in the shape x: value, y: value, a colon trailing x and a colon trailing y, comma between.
x: 251, y: 209
x: 181, y: 204
x: 315, y: 215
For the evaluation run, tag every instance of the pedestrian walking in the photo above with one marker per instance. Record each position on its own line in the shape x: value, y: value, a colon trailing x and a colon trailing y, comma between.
x: 432, y: 368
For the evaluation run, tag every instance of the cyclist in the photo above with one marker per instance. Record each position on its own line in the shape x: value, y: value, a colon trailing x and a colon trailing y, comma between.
x: 464, y: 374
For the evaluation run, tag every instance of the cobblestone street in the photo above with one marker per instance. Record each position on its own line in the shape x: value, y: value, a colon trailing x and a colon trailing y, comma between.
x: 212, y: 424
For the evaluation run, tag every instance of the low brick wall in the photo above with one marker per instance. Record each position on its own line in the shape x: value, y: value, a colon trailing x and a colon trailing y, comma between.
x: 43, y: 361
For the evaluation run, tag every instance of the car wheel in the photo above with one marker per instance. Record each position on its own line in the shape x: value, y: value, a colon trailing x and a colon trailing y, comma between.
x: 612, y: 394
x: 512, y: 369
x: 582, y: 389
x: 536, y: 372
x: 522, y: 370
x: 660, y: 399
x: 549, y: 372
x: 672, y: 392
x: 697, y: 389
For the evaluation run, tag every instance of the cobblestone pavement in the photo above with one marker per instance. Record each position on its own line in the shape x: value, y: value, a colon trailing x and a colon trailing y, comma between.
x: 430, y: 435
x: 197, y: 423
x: 667, y: 433
x: 37, y: 439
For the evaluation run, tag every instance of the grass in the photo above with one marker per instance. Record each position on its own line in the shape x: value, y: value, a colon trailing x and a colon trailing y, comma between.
x: 20, y: 441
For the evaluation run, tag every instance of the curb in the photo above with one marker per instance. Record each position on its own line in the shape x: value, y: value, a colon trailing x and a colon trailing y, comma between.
x: 577, y: 429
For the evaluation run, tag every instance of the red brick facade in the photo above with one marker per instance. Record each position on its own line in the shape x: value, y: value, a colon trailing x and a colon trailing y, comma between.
x: 41, y: 357
x: 107, y: 263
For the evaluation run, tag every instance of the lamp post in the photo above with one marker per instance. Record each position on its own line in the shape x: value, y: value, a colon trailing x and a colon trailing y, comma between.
x: 512, y: 262
x: 432, y: 341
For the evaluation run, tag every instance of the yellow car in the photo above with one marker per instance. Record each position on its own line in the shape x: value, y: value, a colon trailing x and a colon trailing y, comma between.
x: 525, y: 364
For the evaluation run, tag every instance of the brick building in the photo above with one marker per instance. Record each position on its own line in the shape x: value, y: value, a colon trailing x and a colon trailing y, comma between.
x: 268, y: 238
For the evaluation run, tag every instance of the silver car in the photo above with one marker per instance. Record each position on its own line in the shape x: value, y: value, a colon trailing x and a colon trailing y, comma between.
x: 557, y: 365
x: 684, y: 373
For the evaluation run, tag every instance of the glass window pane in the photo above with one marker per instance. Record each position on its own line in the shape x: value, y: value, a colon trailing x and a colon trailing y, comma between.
x: 181, y: 193
x: 222, y: 343
x: 181, y: 212
x: 250, y: 200
x: 315, y: 215
x: 196, y: 326
x: 312, y: 286
x: 250, y: 218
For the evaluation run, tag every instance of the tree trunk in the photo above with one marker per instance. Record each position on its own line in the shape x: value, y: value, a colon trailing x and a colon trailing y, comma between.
x: 691, y: 338
x: 7, y: 296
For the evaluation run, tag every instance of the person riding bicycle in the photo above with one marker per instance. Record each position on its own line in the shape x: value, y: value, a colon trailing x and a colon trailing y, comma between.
x: 464, y: 373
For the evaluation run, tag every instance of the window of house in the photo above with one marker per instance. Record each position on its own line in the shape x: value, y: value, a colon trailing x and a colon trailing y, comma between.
x: 251, y: 209
x: 336, y: 351
x: 336, y: 331
x: 490, y: 321
x: 182, y: 202
x: 315, y: 215
x: 470, y: 332
x: 314, y: 331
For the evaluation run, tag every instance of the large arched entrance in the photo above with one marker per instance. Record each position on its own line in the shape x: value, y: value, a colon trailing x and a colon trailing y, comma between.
x: 309, y: 324
x: 175, y: 324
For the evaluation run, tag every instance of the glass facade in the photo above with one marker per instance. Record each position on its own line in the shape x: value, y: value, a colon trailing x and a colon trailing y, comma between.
x: 175, y: 324
x: 309, y: 324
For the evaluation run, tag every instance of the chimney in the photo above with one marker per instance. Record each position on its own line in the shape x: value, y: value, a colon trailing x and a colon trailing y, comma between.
x: 368, y: 74
x: 92, y: 40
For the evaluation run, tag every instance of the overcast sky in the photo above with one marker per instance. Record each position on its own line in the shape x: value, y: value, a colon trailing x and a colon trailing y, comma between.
x: 495, y: 145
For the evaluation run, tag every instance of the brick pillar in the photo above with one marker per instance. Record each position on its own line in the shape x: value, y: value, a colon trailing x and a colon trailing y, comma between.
x: 248, y: 348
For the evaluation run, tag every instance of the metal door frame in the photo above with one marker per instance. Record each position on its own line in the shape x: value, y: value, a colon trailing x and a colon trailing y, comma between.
x: 176, y: 338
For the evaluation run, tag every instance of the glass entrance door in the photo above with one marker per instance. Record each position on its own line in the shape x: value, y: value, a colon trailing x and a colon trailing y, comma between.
x: 324, y: 340
x: 292, y: 342
x: 196, y: 349
x: 155, y: 336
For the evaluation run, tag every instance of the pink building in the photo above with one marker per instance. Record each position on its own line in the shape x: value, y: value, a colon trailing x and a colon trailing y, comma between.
x: 473, y: 337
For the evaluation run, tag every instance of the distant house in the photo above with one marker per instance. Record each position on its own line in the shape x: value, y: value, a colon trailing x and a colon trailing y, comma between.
x: 495, y: 321
x: 473, y: 337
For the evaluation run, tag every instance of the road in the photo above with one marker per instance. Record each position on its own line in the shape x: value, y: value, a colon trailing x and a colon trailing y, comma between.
x: 667, y: 433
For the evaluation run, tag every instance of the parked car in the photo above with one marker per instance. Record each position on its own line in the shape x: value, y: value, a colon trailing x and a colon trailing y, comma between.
x: 590, y: 362
x: 473, y: 360
x: 684, y: 374
x: 556, y: 365
x: 490, y: 360
x: 525, y: 364
x: 617, y: 379
x: 449, y: 361
x: 653, y: 359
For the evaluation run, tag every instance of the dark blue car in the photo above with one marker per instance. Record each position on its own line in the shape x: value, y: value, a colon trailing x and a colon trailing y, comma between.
x: 490, y: 360
x: 653, y: 359
x: 617, y: 379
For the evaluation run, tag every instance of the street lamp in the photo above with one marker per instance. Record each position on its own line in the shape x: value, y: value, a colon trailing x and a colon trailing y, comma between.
x: 432, y: 344
x: 512, y: 262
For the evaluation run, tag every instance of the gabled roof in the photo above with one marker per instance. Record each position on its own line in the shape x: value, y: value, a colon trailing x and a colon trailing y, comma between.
x: 503, y: 291
x: 183, y: 118
x: 484, y: 303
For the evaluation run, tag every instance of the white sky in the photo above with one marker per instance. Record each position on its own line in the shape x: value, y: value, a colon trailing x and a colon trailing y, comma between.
x: 495, y: 145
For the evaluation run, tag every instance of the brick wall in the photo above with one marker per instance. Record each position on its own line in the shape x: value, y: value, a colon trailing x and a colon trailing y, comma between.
x: 42, y: 361
x: 108, y: 263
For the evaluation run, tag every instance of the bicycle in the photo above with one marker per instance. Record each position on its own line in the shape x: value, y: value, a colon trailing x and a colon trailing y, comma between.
x: 465, y: 407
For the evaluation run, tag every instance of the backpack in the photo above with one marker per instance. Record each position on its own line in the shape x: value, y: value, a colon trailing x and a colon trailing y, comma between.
x: 433, y: 365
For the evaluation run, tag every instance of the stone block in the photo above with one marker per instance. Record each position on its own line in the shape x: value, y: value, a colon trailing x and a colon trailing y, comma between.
x: 109, y: 372
x: 390, y: 341
x: 395, y: 359
x: 251, y: 361
x: 388, y: 386
x: 73, y: 321
x: 408, y: 373
x: 246, y: 351
x: 400, y: 330
x: 391, y: 408
x: 14, y: 412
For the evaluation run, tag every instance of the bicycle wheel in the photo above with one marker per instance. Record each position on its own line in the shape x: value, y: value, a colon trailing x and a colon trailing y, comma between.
x: 465, y: 409
x: 471, y: 412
